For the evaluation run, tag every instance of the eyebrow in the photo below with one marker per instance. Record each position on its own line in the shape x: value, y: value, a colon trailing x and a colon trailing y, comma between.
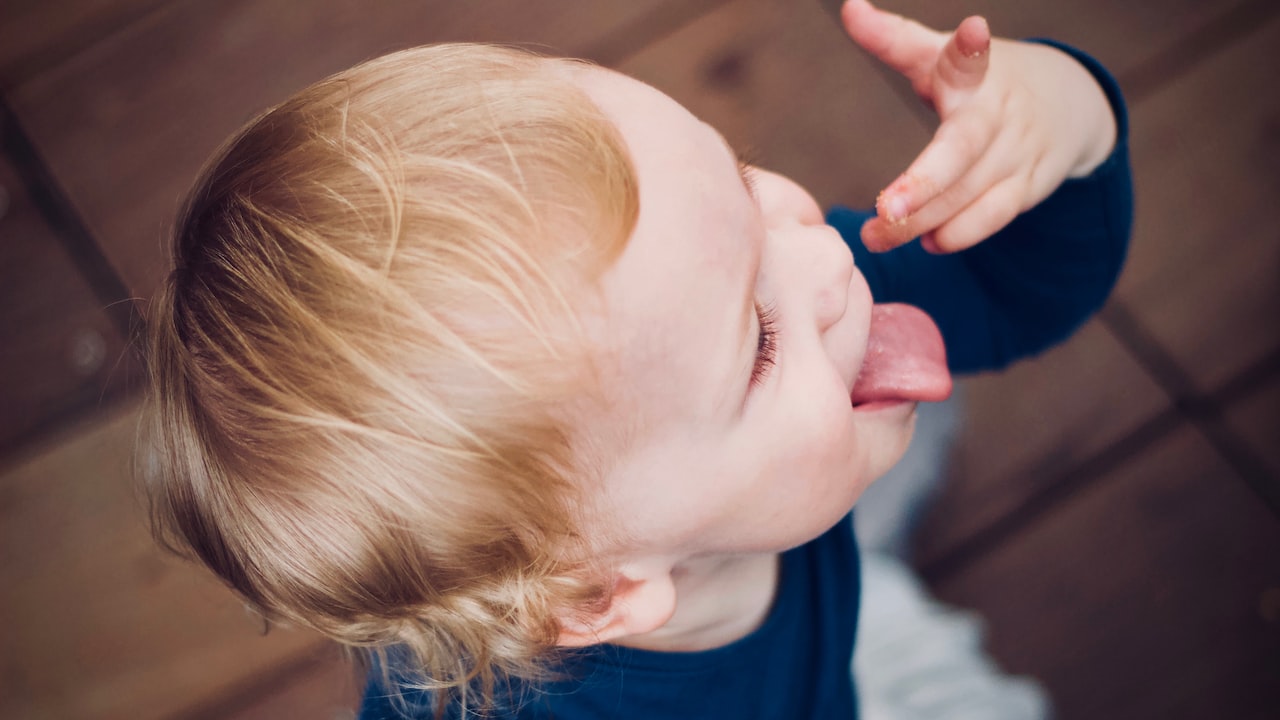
x: 742, y: 163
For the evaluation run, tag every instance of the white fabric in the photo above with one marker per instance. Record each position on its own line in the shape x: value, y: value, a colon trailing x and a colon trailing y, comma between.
x: 917, y: 659
x: 887, y: 511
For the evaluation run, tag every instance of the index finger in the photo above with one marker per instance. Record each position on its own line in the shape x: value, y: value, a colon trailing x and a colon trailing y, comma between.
x: 957, y: 145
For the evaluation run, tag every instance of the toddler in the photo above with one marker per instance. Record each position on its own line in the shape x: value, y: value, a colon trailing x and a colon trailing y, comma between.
x: 506, y: 369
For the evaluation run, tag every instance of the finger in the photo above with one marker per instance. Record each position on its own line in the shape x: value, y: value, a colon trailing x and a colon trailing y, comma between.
x: 957, y: 146
x: 880, y: 236
x: 983, y: 217
x: 965, y: 58
x: 904, y: 45
x: 991, y: 169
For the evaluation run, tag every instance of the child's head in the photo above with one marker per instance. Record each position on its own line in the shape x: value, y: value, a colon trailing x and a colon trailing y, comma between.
x: 463, y: 345
x: 363, y: 357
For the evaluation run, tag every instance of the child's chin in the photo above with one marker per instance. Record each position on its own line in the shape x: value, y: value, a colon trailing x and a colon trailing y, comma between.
x: 895, y: 423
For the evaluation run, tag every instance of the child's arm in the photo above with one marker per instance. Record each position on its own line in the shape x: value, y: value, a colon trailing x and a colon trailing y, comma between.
x: 1024, y: 125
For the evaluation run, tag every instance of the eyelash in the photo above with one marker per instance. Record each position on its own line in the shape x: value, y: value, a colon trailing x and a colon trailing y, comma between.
x: 748, y: 171
x: 747, y: 168
x: 766, y: 345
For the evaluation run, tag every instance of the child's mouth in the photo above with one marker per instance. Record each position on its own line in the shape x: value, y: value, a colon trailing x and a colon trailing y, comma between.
x: 905, y: 359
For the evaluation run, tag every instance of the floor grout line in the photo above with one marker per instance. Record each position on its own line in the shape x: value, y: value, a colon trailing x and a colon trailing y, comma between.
x: 1248, y: 380
x: 265, y: 684
x: 1242, y: 458
x: 92, y: 265
x: 56, y: 428
x: 1201, y: 411
x: 1148, y: 352
x: 1209, y: 417
x: 971, y: 548
x: 73, y: 234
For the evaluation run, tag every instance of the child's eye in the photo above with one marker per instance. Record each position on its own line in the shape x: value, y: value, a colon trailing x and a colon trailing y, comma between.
x: 766, y: 344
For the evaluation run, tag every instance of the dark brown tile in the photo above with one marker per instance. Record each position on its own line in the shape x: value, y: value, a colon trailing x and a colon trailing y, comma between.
x: 1029, y: 426
x: 60, y: 352
x: 35, y: 35
x: 1204, y: 274
x: 1121, y: 35
x: 126, y: 124
x: 98, y: 622
x: 328, y: 689
x: 782, y: 82
x: 1256, y: 420
x: 1143, y: 596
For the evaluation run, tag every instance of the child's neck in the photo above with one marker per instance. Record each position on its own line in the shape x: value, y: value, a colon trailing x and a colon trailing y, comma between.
x: 720, y: 599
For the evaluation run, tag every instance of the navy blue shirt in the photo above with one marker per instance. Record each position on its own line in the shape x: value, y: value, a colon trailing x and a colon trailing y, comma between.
x: 1024, y: 289
x: 781, y: 670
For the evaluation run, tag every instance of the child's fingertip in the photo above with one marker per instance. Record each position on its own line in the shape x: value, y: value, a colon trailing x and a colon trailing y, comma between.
x: 859, y: 18
x: 973, y: 37
x: 874, y: 238
x: 850, y: 7
x: 896, y: 208
x: 893, y: 204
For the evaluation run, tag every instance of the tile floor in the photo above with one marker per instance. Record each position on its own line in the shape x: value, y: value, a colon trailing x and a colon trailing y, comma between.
x: 1110, y: 508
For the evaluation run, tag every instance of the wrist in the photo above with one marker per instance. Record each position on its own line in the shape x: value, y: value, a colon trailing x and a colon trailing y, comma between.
x: 1100, y: 135
x: 1095, y: 107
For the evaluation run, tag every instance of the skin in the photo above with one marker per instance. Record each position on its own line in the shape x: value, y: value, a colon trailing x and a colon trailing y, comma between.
x: 719, y: 475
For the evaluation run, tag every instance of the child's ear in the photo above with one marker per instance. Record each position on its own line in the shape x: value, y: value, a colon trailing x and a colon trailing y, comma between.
x: 644, y: 599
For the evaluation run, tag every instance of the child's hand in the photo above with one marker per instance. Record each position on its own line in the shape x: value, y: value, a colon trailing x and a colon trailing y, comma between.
x: 1016, y: 120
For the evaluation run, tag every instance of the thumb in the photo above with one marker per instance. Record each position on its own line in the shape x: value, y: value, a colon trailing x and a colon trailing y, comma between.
x: 904, y: 45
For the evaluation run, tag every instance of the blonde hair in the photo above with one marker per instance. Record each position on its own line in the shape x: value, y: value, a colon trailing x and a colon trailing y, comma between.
x: 359, y: 359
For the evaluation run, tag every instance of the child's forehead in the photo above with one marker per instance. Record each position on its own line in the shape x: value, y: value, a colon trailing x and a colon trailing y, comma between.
x: 675, y: 305
x: 638, y: 110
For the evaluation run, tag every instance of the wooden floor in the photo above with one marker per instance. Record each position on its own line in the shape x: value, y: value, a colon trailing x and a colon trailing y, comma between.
x: 1110, y: 509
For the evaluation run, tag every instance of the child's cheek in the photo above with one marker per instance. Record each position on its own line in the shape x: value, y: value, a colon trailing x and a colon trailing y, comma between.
x: 822, y: 427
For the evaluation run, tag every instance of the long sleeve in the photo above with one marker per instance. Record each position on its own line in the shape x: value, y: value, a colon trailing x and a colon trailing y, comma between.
x: 1033, y: 283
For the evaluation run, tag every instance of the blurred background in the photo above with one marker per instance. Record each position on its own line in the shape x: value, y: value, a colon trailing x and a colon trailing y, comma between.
x: 1109, y: 508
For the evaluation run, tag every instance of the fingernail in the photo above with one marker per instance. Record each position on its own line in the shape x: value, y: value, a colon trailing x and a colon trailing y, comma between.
x: 895, y: 206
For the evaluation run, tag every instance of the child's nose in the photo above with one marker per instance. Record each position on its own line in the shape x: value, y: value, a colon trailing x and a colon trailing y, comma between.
x: 832, y: 270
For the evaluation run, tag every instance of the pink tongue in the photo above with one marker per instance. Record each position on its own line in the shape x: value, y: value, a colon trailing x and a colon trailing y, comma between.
x: 905, y: 358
